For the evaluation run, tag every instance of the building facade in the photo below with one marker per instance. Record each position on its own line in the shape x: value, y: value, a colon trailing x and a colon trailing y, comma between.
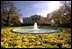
x: 27, y: 20
x: 32, y: 19
x: 36, y: 18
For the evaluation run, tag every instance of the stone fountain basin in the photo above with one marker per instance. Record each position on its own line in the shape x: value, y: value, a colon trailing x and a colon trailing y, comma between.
x: 40, y: 30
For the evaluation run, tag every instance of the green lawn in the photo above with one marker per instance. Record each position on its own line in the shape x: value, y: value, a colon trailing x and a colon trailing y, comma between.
x: 55, y: 40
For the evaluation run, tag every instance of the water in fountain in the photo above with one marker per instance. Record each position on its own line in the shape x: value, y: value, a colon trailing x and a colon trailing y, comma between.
x: 35, y: 29
x: 35, y: 26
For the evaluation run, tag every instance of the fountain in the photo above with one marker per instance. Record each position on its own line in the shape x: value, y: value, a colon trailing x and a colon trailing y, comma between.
x: 35, y: 26
x: 35, y: 29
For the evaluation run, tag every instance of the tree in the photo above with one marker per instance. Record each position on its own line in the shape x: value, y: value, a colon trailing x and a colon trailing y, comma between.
x: 9, y: 14
x: 4, y: 12
x: 66, y: 10
x: 14, y: 15
x: 62, y: 16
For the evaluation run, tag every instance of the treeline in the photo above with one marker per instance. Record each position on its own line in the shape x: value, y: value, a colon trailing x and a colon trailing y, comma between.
x: 62, y: 16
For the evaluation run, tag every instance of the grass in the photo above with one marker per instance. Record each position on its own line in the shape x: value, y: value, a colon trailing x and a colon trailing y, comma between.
x: 55, y: 40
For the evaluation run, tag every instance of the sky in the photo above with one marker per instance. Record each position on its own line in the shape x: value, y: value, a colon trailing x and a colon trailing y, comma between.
x: 29, y: 8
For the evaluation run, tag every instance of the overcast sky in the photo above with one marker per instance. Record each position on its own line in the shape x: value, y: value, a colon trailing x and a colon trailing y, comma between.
x: 42, y: 8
